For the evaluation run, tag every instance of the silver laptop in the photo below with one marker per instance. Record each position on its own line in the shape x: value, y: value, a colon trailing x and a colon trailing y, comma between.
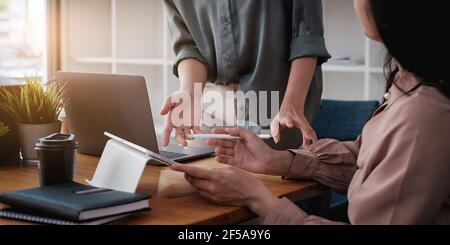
x: 118, y: 104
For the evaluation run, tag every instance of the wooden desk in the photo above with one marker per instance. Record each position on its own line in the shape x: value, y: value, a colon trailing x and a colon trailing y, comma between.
x: 173, y: 200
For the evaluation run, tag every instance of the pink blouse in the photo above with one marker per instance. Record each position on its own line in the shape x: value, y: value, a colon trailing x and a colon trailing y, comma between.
x: 396, y: 172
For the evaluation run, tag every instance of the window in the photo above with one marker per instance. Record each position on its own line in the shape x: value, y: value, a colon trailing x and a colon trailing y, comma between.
x: 22, y: 40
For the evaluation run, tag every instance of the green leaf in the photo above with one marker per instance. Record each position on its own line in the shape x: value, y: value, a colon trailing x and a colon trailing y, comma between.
x: 35, y: 103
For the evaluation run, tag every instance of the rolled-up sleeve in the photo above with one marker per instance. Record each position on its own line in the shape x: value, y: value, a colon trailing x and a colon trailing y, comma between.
x: 308, y: 31
x: 328, y: 161
x: 184, y: 45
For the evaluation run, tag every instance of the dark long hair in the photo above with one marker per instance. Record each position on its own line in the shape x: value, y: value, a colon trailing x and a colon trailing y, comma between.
x: 415, y: 34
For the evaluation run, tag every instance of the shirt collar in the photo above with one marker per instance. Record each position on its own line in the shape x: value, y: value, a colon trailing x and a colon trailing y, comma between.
x: 404, y: 82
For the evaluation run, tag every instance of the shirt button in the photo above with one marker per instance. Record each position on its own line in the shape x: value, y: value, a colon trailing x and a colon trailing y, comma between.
x: 226, y: 20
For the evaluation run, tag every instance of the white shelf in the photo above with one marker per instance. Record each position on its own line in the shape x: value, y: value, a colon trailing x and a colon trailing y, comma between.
x: 123, y: 61
x: 342, y: 68
x: 115, y: 36
x: 350, y: 68
x: 344, y: 36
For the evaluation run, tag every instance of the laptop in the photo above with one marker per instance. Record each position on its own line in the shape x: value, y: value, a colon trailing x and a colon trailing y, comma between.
x: 118, y: 104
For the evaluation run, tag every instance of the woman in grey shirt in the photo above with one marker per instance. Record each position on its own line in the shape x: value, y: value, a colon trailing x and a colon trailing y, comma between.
x: 261, y: 45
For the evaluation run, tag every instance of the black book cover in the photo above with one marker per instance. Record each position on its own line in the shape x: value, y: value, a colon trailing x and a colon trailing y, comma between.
x: 63, y: 201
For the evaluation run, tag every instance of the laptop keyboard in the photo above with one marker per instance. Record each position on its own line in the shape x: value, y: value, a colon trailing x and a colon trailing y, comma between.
x: 171, y: 155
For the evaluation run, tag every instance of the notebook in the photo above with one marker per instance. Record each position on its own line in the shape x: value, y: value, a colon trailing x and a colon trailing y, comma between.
x: 74, y: 202
x: 18, y: 214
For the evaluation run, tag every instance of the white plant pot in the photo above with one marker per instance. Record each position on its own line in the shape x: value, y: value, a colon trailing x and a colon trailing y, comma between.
x: 29, y: 134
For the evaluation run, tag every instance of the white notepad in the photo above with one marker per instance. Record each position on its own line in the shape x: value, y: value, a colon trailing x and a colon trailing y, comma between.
x: 120, y: 167
x: 122, y: 164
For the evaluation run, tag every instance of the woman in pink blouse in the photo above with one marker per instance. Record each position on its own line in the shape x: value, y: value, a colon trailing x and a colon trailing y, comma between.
x: 397, y: 171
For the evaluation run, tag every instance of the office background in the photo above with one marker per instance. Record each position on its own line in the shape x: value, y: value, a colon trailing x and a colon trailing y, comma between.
x: 131, y: 37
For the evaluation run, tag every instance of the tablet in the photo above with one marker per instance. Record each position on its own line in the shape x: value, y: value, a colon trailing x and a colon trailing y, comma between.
x: 153, y: 155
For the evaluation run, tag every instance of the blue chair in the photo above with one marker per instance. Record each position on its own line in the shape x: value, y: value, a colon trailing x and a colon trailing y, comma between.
x: 343, y: 121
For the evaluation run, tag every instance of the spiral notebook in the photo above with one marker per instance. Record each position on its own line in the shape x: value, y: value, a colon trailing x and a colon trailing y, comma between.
x: 13, y: 213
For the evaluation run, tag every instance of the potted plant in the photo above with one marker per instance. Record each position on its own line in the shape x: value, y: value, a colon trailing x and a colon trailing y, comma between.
x: 35, y: 110
x: 4, y: 130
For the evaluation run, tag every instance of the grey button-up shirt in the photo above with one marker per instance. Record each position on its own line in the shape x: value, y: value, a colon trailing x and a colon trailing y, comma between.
x: 246, y: 41
x: 250, y: 42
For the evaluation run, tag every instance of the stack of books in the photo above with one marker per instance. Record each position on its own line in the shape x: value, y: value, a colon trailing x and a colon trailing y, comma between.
x: 72, y: 204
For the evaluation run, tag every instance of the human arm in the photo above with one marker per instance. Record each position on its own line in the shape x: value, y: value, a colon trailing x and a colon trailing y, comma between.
x: 191, y: 68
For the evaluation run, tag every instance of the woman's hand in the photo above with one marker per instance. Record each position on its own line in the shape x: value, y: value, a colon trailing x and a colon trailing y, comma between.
x: 229, y: 186
x: 291, y: 113
x: 291, y: 117
x: 176, y: 104
x: 185, y: 103
x: 250, y: 153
